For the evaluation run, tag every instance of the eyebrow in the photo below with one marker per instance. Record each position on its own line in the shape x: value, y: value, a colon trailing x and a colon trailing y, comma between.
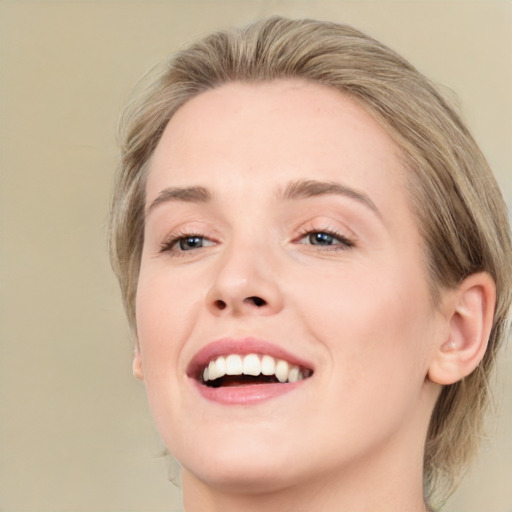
x: 185, y: 194
x: 305, y: 189
x: 296, y: 190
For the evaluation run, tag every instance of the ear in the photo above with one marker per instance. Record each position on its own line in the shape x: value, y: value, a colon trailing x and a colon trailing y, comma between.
x: 470, y: 315
x: 137, y: 364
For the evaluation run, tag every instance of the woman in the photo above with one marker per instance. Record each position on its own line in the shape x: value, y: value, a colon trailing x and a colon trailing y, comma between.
x: 315, y: 261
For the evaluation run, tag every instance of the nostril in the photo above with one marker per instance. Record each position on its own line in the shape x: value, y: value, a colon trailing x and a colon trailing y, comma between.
x: 220, y: 304
x: 257, y: 301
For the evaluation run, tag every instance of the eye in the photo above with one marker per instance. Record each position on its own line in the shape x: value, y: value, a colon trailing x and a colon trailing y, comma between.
x: 325, y: 239
x: 190, y: 242
x: 322, y: 239
x: 181, y: 243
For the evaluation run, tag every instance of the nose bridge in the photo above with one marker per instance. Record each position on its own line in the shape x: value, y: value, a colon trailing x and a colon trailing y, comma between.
x: 246, y: 279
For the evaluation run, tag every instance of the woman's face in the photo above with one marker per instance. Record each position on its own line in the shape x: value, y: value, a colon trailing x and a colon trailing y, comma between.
x: 278, y: 225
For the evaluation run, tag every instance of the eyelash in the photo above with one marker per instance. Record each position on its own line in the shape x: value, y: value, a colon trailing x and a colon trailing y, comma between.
x: 344, y: 243
x: 172, y: 240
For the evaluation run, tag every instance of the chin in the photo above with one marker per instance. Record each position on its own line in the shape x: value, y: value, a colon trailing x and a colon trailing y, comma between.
x: 246, y: 467
x: 245, y: 477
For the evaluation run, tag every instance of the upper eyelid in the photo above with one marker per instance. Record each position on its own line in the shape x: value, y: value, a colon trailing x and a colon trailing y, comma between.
x: 173, y: 238
x: 344, y: 239
x: 327, y: 225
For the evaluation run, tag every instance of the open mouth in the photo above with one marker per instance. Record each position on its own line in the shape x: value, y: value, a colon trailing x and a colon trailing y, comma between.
x: 237, y: 370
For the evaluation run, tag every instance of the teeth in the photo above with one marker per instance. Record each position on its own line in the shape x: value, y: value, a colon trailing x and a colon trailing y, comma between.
x: 234, y: 365
x: 212, y: 371
x: 282, y: 370
x: 220, y: 365
x: 268, y: 365
x: 293, y: 374
x: 253, y: 364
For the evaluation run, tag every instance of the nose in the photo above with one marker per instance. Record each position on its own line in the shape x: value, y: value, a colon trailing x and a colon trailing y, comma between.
x: 245, y: 283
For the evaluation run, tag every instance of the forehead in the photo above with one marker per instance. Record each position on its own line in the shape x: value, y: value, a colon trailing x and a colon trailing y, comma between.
x: 241, y: 134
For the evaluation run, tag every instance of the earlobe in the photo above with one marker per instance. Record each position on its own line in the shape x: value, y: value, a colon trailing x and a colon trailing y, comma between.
x: 470, y: 322
x: 137, y: 364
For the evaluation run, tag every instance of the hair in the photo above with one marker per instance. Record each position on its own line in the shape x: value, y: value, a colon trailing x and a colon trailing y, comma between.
x: 454, y: 195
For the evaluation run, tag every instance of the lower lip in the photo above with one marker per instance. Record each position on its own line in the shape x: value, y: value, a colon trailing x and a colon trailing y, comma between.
x: 246, y: 395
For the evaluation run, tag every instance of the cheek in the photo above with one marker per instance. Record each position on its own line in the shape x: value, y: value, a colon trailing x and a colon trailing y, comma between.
x: 164, y: 300
x: 159, y: 314
x: 373, y: 327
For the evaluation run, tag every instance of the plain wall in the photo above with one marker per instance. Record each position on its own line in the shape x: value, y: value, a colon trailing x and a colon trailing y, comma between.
x: 75, y: 431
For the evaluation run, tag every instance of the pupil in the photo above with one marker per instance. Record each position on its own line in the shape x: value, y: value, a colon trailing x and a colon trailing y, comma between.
x: 321, y: 239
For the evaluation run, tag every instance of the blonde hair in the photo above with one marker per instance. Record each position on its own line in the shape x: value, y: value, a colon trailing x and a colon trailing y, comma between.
x: 461, y: 213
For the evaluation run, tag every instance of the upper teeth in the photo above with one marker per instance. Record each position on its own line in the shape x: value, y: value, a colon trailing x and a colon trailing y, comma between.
x: 252, y: 364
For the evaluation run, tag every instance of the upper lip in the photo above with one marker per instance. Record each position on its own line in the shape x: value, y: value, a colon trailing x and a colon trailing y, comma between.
x: 241, y: 346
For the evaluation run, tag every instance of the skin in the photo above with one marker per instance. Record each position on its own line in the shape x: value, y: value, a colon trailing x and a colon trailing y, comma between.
x: 360, y: 312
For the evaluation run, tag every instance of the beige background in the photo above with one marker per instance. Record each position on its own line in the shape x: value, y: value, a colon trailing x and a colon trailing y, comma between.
x: 75, y: 432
